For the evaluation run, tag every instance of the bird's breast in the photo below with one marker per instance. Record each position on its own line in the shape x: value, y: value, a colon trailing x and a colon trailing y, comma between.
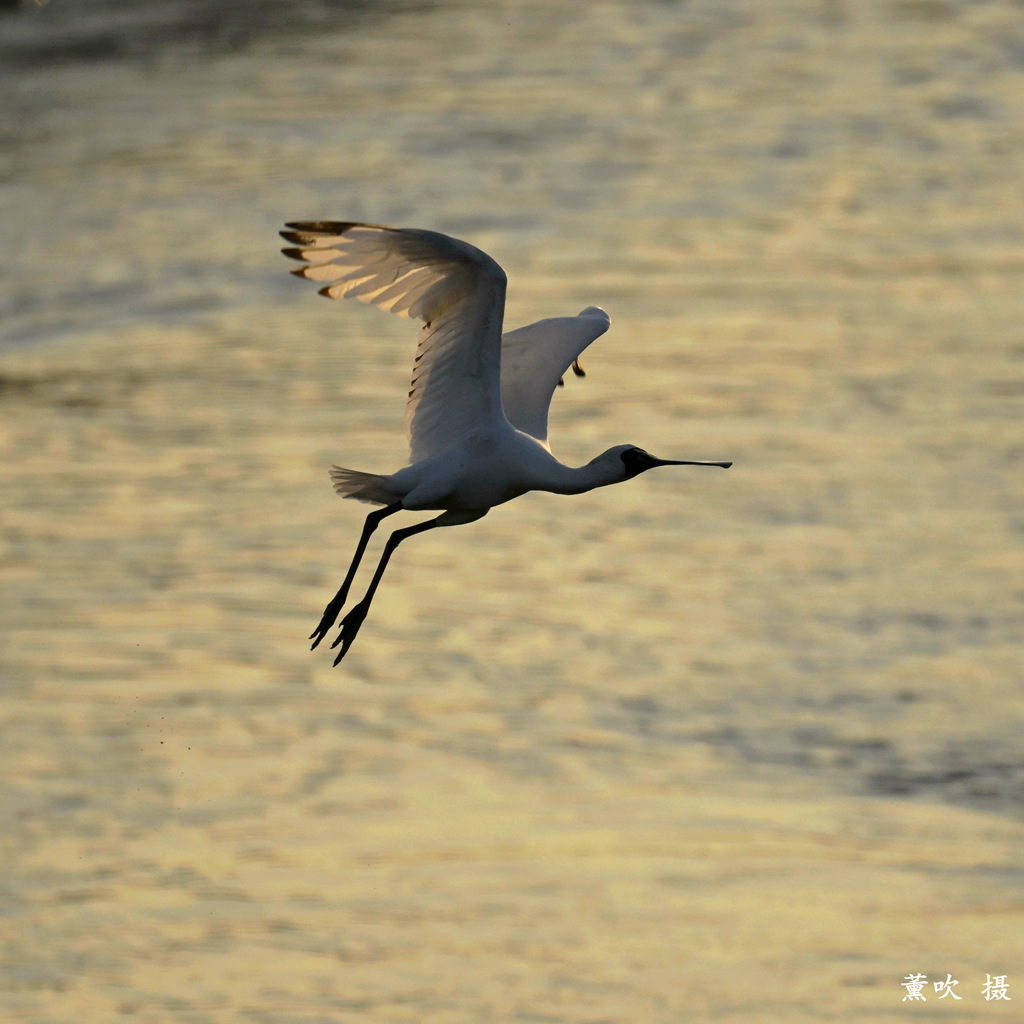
x: 482, y: 471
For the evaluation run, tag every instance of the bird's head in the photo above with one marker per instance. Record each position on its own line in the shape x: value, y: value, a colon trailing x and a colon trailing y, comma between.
x: 633, y: 461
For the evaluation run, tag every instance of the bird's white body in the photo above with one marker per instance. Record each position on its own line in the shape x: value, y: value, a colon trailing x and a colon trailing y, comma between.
x: 488, y: 468
x: 477, y: 409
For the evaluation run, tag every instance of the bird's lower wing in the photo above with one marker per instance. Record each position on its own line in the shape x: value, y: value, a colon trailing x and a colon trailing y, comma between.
x: 457, y: 291
x: 534, y: 360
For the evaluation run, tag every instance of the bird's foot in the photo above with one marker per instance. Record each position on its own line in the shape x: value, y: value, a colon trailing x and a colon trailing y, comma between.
x: 349, y: 628
x: 327, y: 621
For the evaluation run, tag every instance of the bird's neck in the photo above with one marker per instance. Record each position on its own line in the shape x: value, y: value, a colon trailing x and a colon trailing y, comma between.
x: 578, y: 479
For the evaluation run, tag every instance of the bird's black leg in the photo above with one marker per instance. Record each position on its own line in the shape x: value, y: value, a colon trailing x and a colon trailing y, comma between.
x: 338, y: 601
x: 351, y: 623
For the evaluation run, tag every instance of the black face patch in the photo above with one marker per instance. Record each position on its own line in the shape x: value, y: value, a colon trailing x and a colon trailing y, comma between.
x: 636, y: 460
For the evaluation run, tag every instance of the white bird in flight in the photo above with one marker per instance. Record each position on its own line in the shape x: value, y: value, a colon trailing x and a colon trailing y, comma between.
x: 477, y: 410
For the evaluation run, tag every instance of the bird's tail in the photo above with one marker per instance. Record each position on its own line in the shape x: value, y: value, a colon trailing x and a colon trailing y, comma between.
x: 368, y: 487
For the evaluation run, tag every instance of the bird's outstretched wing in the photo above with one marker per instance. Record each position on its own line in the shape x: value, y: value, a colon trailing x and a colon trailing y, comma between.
x: 457, y: 291
x: 534, y: 360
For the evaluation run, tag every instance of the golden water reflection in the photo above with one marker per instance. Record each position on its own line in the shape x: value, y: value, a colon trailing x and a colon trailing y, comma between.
x: 707, y: 746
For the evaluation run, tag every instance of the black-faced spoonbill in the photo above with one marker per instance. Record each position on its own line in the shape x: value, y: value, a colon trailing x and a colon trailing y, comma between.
x: 477, y: 411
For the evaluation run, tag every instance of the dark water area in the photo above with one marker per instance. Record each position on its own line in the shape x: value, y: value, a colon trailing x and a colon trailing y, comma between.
x: 35, y: 35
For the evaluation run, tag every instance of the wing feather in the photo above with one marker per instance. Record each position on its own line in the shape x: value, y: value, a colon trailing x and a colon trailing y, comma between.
x: 534, y: 360
x: 457, y: 291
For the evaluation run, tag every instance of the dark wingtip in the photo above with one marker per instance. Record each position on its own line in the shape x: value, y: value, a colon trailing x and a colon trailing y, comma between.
x: 334, y: 227
x: 331, y: 227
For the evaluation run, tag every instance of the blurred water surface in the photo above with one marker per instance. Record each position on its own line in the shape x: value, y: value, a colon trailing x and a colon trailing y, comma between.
x: 710, y: 746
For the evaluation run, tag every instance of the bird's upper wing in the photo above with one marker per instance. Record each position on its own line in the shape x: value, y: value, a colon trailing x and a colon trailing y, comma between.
x: 534, y: 360
x: 457, y: 291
